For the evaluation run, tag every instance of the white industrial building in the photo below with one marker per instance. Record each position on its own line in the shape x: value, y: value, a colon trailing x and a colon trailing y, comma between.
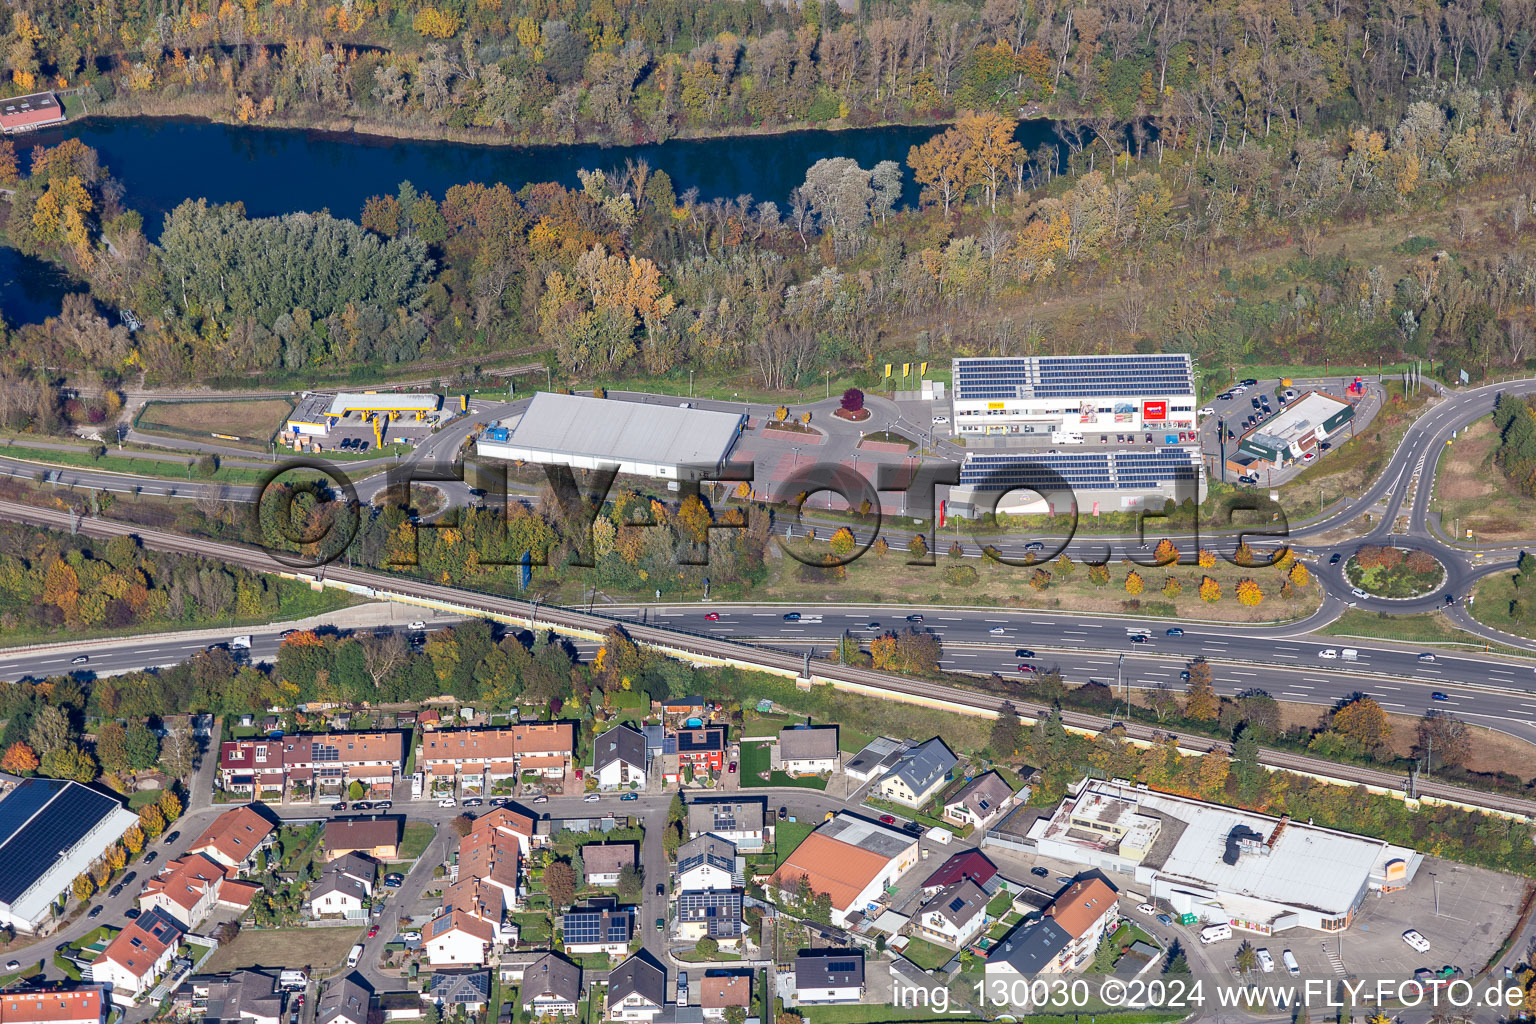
x: 317, y: 414
x: 1223, y: 864
x: 51, y: 832
x: 668, y: 442
x: 1042, y: 395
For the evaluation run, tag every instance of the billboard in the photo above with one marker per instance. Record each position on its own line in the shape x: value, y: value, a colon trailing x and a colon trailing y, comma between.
x: 1154, y: 412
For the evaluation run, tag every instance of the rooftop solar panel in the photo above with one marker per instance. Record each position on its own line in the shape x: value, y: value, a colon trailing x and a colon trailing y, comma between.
x: 1126, y: 376
x: 39, y: 830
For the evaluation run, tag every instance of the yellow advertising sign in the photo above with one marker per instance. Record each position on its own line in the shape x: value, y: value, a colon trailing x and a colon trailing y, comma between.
x: 994, y: 405
x: 923, y: 372
x: 887, y: 369
x: 906, y: 369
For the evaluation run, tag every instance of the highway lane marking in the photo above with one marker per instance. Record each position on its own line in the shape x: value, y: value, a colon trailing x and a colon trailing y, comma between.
x: 1303, y: 686
x: 1385, y: 687
x: 1278, y: 655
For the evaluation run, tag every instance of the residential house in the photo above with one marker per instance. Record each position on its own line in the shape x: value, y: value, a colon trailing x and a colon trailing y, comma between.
x: 743, y: 821
x: 376, y: 836
x: 318, y: 764
x: 190, y: 887
x: 234, y: 838
x: 706, y: 862
x: 604, y: 861
x: 715, y: 913
x: 851, y: 860
x: 1062, y: 941
x: 452, y: 989
x: 494, y: 856
x: 955, y: 915
x: 550, y: 987
x: 137, y: 956
x: 980, y: 802
x: 1086, y: 910
x: 972, y: 864
x: 637, y: 990
x: 242, y: 997
x: 618, y: 759
x: 918, y: 774
x: 804, y: 750
x: 511, y: 964
x: 479, y: 758
x: 607, y: 930
x: 344, y: 1002
x: 458, y: 939
x: 684, y: 707
x: 86, y: 1005
x: 701, y: 749
x: 344, y: 888
x: 829, y: 976
x: 722, y: 989
x: 511, y: 822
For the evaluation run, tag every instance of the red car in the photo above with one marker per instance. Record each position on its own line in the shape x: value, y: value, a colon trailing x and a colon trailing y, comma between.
x: 887, y: 819
x: 733, y: 767
x: 1026, y: 668
x: 712, y: 617
x: 373, y: 931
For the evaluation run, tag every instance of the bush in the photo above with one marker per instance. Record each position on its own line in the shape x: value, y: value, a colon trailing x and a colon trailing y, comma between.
x: 961, y: 575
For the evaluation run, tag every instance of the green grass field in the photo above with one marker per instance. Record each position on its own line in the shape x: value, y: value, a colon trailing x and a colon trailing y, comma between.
x: 257, y: 419
x: 787, y: 835
x: 755, y: 759
x: 413, y: 843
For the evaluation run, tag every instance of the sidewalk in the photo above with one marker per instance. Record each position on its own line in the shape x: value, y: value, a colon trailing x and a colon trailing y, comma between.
x: 371, y: 613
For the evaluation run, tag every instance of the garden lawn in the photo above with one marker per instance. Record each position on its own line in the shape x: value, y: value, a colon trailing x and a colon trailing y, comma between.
x: 786, y: 836
x: 927, y: 955
x: 414, y: 841
x: 755, y: 759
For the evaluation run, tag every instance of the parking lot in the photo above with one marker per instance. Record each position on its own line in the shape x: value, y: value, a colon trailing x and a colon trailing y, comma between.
x: 1478, y: 909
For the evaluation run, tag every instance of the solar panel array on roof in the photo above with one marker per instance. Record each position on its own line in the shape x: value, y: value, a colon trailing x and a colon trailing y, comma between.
x: 595, y: 926
x: 1127, y: 376
x: 49, y: 819
x: 1123, y: 470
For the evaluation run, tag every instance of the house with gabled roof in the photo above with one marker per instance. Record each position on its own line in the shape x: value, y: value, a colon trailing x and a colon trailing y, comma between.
x: 918, y: 774
x: 980, y: 802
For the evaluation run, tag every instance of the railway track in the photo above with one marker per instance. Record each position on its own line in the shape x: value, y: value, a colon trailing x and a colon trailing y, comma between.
x: 781, y: 662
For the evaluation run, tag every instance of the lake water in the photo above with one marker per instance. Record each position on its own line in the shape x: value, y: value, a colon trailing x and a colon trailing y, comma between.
x: 162, y: 161
x: 31, y: 290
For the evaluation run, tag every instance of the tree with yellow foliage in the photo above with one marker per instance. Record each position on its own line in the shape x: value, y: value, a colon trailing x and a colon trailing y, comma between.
x: 943, y: 166
x: 1364, y: 721
x: 990, y: 148
x: 1172, y: 587
x: 1210, y: 590
x: 436, y: 23
x: 1206, y: 558
x: 83, y: 888
x: 843, y: 542
x: 1166, y: 553
x: 1299, y: 575
x: 1133, y: 583
x: 1249, y: 594
x: 1200, y: 700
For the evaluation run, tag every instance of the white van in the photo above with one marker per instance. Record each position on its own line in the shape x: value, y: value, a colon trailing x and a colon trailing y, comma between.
x: 1349, y: 654
x: 1215, y: 933
x: 1290, y: 962
x: 355, y: 955
x: 1065, y: 437
x: 241, y: 643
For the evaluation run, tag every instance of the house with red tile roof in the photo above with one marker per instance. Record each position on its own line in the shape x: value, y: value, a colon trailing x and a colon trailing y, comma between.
x: 86, y: 1005
x: 136, y: 958
x: 234, y: 837
x: 190, y: 887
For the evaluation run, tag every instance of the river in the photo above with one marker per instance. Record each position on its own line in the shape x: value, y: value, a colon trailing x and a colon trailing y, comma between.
x: 162, y: 161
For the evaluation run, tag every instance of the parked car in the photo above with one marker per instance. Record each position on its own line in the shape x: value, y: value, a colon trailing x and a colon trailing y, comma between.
x: 661, y: 888
x: 14, y: 965
x: 362, y: 805
x: 383, y: 805
x: 373, y: 931
x: 149, y: 858
x: 447, y: 801
x: 590, y: 798
x: 1417, y: 942
x: 1041, y: 872
x: 1250, y: 383
x: 474, y: 801
x: 887, y: 819
x: 96, y: 911
x: 1266, y: 962
x: 1165, y: 920
x: 1308, y: 456
x: 541, y: 799
x: 1146, y: 908
x: 783, y: 812
x: 630, y: 796
x: 940, y: 421
x: 132, y: 912
x: 731, y: 768
x: 913, y: 828
x: 661, y: 924
x: 172, y: 837
x: 340, y: 805
x: 394, y: 879
x: 417, y: 625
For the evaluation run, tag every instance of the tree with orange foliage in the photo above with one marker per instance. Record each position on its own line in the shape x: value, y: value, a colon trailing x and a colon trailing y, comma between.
x: 1205, y: 558
x: 1364, y: 721
x: 19, y: 759
x: 1166, y: 553
x: 990, y: 149
x: 1248, y: 593
x: 942, y: 166
x: 1210, y: 590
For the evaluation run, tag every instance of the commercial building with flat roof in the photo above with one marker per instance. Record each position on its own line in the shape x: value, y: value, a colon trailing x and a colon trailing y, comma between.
x: 1295, y: 430
x: 1223, y: 864
x: 51, y: 831
x: 26, y: 113
x: 1041, y: 395
x: 669, y: 442
x: 317, y: 414
x: 1022, y: 482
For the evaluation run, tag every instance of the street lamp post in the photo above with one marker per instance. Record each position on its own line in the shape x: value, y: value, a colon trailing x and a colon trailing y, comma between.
x: 690, y: 383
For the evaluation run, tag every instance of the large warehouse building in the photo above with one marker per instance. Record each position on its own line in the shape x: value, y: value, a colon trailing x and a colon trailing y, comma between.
x: 1042, y: 395
x: 1223, y: 864
x: 1293, y: 431
x: 51, y: 831
x: 670, y: 442
x: 1024, y: 482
